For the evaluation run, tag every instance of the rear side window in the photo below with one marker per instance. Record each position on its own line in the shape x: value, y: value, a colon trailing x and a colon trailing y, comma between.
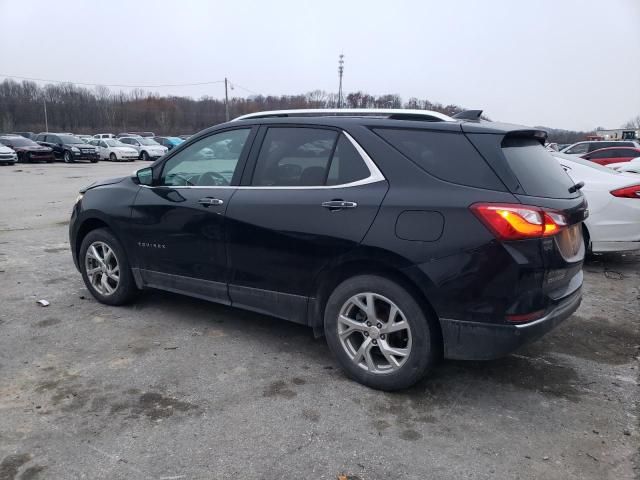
x: 310, y: 157
x: 346, y: 165
x: 539, y: 174
x: 447, y: 156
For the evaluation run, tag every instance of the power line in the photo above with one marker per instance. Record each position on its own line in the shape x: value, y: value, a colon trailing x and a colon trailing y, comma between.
x: 116, y: 84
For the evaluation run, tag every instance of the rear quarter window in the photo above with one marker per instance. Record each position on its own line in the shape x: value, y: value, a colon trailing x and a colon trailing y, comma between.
x: 539, y: 174
x: 448, y: 156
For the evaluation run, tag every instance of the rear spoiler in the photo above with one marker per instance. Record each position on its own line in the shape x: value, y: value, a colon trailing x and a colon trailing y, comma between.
x: 468, y: 115
x: 539, y: 135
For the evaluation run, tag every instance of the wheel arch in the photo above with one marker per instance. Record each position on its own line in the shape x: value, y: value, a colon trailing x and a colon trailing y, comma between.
x: 329, y: 279
x: 88, y: 225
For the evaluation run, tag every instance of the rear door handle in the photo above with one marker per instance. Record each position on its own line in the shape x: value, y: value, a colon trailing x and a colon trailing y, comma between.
x: 339, y: 204
x: 209, y: 201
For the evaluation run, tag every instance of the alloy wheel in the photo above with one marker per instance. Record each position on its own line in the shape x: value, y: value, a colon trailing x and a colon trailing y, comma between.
x: 102, y: 267
x: 374, y: 333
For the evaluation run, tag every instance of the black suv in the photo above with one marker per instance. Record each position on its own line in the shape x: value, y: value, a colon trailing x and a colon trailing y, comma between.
x: 68, y: 147
x: 402, y: 236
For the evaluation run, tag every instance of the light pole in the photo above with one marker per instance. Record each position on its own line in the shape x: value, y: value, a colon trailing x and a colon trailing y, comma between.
x: 46, y: 121
x: 226, y: 99
x: 340, y: 71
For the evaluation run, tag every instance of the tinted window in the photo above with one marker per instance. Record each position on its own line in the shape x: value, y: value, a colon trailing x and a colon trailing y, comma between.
x: 69, y: 139
x: 539, y: 174
x: 346, y: 165
x: 294, y: 157
x: 605, y: 154
x: 211, y: 161
x: 448, y: 156
x: 19, y: 141
x: 579, y: 149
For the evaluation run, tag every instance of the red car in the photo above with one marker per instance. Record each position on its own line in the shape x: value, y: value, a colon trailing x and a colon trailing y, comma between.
x: 605, y: 156
x: 28, y: 150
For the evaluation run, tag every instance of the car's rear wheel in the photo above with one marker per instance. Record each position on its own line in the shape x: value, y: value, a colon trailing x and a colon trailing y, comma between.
x: 379, y: 333
x: 113, y: 157
x: 105, y: 268
x: 67, y: 157
x: 144, y: 156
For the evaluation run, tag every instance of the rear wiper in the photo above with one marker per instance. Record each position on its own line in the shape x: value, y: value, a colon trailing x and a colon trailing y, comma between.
x: 576, y: 187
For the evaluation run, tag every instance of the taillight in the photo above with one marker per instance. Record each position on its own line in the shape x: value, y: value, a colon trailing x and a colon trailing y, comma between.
x: 627, y: 192
x: 519, y: 222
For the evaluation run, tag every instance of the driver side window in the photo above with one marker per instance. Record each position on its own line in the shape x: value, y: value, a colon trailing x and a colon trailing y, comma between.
x: 209, y: 162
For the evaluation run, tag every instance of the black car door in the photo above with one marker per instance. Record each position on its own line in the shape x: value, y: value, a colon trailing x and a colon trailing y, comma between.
x: 177, y: 225
x: 308, y: 198
x: 55, y: 143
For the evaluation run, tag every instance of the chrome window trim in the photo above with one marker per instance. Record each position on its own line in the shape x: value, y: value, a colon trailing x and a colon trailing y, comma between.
x: 375, y: 175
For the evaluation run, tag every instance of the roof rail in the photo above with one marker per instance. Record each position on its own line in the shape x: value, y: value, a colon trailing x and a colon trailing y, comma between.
x: 393, y: 113
x: 468, y: 115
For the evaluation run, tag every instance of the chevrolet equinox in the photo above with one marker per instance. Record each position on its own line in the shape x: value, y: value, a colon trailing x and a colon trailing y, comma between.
x: 402, y: 236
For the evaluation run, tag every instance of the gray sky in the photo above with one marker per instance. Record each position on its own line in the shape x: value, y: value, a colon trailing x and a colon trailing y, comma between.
x: 560, y: 63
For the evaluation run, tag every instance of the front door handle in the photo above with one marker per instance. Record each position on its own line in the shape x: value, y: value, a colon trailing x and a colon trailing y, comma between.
x: 209, y: 201
x: 339, y: 204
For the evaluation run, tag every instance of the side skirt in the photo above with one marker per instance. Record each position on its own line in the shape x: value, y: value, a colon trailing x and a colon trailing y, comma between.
x: 277, y: 304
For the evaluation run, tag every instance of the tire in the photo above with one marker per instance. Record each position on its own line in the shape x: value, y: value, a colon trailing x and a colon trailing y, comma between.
x: 67, y: 157
x: 144, y: 156
x: 113, y: 157
x: 125, y: 288
x: 419, y: 340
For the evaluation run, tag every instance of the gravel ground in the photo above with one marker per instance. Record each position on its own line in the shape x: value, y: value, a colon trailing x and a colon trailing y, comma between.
x: 176, y: 388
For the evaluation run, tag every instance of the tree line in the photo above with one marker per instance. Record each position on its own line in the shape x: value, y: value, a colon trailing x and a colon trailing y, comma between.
x: 77, y: 109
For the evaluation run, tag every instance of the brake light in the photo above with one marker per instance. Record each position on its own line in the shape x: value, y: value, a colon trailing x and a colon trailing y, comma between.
x: 518, y: 222
x: 525, y: 317
x: 627, y: 192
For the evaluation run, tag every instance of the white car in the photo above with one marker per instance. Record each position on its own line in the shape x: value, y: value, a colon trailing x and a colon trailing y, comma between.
x: 147, y: 148
x: 632, y: 166
x: 613, y: 224
x: 7, y: 155
x: 100, y: 136
x: 582, y: 148
x: 114, y: 150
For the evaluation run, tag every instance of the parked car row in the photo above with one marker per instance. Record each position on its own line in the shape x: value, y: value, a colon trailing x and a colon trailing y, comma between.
x: 47, y: 147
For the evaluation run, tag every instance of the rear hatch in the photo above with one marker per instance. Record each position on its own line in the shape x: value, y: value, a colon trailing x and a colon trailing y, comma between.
x: 536, y: 179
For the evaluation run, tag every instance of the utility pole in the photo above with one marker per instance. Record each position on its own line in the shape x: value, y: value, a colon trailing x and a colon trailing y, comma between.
x: 46, y: 122
x: 226, y: 99
x: 340, y: 70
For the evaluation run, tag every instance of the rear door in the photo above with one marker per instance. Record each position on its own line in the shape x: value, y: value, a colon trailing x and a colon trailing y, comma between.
x: 55, y: 143
x: 308, y: 198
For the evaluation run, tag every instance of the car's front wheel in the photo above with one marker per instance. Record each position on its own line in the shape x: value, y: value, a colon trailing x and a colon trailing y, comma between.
x: 105, y: 268
x: 144, y: 156
x: 379, y: 333
x: 68, y: 158
x: 112, y: 157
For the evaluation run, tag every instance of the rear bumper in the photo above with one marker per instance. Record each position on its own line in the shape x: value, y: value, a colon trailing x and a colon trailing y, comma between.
x: 465, y: 340
x: 601, y: 247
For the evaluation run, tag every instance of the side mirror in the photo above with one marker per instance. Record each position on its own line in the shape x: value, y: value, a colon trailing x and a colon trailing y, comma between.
x: 144, y: 176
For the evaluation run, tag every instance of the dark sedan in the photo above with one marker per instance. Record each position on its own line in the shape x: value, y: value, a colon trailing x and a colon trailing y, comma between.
x: 28, y: 150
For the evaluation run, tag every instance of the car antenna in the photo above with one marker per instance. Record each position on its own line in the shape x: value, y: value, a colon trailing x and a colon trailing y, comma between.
x: 576, y: 187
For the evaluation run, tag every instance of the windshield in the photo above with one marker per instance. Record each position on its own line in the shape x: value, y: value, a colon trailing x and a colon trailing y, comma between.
x: 20, y: 142
x: 147, y: 141
x: 114, y: 143
x: 69, y: 139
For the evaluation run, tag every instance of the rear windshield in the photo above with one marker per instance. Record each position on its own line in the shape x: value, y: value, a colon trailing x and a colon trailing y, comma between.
x: 445, y: 155
x: 539, y: 174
